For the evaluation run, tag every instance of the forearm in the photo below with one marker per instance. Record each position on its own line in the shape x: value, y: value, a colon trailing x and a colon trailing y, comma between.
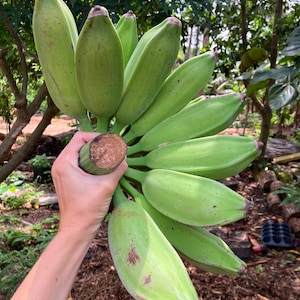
x: 53, y: 275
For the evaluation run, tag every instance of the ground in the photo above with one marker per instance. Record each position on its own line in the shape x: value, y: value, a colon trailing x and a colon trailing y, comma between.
x: 273, y: 274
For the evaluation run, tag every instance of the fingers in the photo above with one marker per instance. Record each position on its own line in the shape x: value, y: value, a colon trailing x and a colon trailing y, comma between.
x: 78, y: 140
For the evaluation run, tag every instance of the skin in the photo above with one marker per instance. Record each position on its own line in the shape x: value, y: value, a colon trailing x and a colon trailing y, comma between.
x: 84, y: 200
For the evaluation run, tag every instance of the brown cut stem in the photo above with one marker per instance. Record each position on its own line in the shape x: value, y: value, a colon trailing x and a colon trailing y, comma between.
x: 102, y: 154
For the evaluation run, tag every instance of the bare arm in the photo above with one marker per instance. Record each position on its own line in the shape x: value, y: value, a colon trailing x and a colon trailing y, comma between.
x: 84, y: 201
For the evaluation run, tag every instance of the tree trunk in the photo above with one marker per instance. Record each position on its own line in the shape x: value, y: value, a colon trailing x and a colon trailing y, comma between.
x: 23, y: 118
x: 30, y: 144
x: 266, y: 111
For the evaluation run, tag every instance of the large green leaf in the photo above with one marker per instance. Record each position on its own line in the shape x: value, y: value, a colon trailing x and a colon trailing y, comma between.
x: 293, y: 47
x: 280, y: 95
x: 251, y: 88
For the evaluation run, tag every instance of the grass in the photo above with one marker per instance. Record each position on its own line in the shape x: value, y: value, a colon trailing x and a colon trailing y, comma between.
x: 21, y: 243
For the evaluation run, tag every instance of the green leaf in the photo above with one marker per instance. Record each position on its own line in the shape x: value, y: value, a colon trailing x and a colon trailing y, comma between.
x: 251, y: 88
x: 262, y: 75
x: 289, y: 200
x: 280, y: 73
x: 244, y: 76
x: 293, y: 41
x: 292, y: 50
x: 280, y: 95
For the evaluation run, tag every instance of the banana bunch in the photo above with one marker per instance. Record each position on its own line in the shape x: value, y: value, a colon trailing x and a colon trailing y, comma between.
x: 129, y: 84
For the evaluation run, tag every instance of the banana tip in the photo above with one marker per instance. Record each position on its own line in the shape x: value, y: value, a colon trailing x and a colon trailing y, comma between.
x: 259, y: 145
x: 242, y: 270
x: 215, y: 55
x: 175, y: 21
x: 243, y: 97
x: 248, y: 207
x: 130, y: 14
x: 98, y: 10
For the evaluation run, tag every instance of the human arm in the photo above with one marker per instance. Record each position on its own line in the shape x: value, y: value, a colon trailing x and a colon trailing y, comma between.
x: 84, y: 200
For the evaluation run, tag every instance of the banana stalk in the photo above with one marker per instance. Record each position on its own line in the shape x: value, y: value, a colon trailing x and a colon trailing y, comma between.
x: 147, y: 264
x: 55, y: 36
x: 127, y: 32
x: 149, y: 65
x: 99, y: 66
x: 206, y: 117
x: 190, y: 199
x: 181, y: 86
x: 215, y: 157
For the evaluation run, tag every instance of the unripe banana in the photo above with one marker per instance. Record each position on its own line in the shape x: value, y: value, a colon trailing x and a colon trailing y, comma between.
x: 215, y: 157
x: 99, y: 66
x: 55, y: 36
x: 146, y: 262
x: 184, y: 83
x: 209, y: 252
x: 149, y: 65
x: 190, y: 199
x: 127, y: 31
x: 206, y: 117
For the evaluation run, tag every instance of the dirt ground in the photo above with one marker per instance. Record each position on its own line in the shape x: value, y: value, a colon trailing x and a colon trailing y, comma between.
x: 273, y: 274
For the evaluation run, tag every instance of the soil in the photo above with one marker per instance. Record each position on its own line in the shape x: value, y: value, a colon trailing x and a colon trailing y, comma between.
x: 271, y: 274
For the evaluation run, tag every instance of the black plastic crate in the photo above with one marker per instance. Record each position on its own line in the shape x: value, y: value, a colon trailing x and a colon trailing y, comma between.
x: 277, y: 235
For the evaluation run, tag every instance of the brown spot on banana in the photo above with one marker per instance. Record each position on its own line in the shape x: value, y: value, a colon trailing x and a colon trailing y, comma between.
x: 132, y: 257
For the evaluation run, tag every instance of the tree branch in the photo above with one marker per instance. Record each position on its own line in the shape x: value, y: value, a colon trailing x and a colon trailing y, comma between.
x: 8, y: 74
x: 30, y: 144
x: 21, y: 100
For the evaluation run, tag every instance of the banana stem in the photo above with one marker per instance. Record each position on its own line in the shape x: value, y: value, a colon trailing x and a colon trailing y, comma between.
x: 117, y: 127
x: 129, y: 188
x: 129, y: 136
x: 133, y: 149
x: 119, y: 197
x: 136, y: 161
x: 136, y: 174
x: 102, y: 124
x: 85, y: 124
x: 137, y: 196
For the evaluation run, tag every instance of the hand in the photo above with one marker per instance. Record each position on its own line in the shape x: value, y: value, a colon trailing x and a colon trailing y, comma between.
x: 83, y: 199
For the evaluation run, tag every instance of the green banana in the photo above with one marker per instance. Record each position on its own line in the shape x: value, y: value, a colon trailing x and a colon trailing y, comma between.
x: 190, y: 199
x: 206, y: 117
x: 55, y: 36
x: 215, y: 157
x: 127, y: 30
x: 184, y: 83
x: 209, y: 252
x: 147, y: 264
x: 99, y: 66
x: 149, y: 65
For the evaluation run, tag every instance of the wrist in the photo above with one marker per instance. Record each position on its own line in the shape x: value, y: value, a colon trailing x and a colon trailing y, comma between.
x: 80, y: 231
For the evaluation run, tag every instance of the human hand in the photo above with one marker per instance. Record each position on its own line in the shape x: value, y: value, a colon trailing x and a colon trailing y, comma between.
x: 83, y: 198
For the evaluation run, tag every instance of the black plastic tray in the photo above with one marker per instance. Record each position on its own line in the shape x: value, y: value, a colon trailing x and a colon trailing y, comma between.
x: 277, y: 235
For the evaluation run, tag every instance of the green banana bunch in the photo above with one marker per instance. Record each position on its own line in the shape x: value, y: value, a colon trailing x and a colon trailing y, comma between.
x: 149, y: 65
x: 184, y: 83
x: 99, y: 66
x: 215, y: 157
x: 146, y: 262
x: 128, y: 83
x: 208, y: 252
x: 190, y: 199
x: 127, y: 30
x: 206, y: 117
x: 55, y: 36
